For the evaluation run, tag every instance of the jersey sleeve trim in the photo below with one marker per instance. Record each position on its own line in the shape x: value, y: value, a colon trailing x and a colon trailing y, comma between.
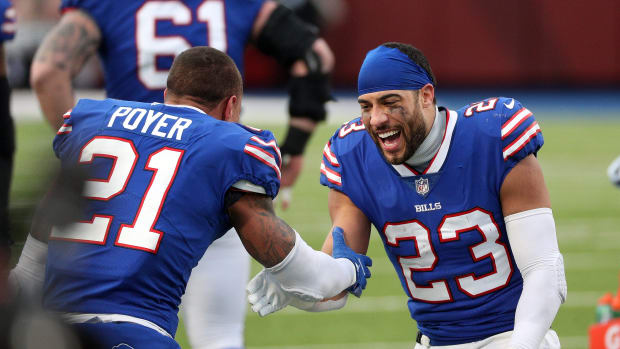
x: 331, y: 175
x: 330, y: 167
x: 246, y: 185
x: 271, y: 144
x: 66, y: 127
x: 515, y: 121
x: 68, y: 9
x: 9, y: 26
x: 330, y: 156
x: 521, y: 141
x: 263, y: 156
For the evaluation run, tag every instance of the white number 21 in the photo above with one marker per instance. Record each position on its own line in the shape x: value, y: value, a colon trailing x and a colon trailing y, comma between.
x: 140, y: 234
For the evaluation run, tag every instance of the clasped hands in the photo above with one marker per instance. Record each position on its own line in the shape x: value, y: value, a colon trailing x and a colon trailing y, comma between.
x: 267, y: 295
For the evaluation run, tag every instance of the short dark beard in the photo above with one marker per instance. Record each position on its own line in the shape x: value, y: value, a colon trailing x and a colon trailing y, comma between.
x: 417, y: 136
x: 413, y: 137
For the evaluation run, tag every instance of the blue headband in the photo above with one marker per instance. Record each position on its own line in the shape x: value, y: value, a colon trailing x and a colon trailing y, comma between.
x: 387, y: 68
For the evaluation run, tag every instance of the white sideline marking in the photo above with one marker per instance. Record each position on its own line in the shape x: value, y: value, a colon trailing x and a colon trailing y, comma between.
x: 387, y: 304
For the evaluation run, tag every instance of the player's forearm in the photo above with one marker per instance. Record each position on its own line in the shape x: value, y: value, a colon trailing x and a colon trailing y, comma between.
x: 28, y: 275
x: 542, y: 268
x: 536, y: 309
x: 345, y: 214
x: 265, y: 236
x: 55, y: 95
x: 59, y: 58
x: 297, y: 266
x: 306, y: 271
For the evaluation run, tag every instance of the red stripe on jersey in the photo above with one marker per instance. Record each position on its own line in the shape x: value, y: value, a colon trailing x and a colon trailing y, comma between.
x: 521, y: 141
x: 67, y: 9
x: 67, y: 114
x: 253, y: 128
x: 445, y: 132
x: 331, y: 175
x: 64, y: 129
x: 331, y: 157
x: 515, y: 121
x: 271, y: 143
x: 262, y: 156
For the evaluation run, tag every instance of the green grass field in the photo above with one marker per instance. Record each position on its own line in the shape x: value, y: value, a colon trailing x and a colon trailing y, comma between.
x: 586, y: 208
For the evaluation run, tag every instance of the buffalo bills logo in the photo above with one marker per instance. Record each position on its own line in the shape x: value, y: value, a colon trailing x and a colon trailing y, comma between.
x: 421, y: 186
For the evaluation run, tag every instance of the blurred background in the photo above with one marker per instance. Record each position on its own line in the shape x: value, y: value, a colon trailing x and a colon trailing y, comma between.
x: 560, y: 58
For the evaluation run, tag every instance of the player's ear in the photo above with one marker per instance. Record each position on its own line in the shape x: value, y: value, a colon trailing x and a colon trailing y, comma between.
x: 230, y: 109
x: 427, y: 95
x: 165, y: 92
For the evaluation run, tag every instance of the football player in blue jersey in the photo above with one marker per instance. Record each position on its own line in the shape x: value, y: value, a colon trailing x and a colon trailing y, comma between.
x: 165, y: 181
x: 136, y: 41
x: 459, y: 200
x: 7, y: 140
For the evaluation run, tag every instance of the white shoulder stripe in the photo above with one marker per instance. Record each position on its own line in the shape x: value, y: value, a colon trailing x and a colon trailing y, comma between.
x: 64, y: 129
x: 330, y: 156
x: 332, y: 176
x: 9, y: 28
x: 263, y: 156
x: 515, y: 121
x: 271, y: 143
x: 521, y: 141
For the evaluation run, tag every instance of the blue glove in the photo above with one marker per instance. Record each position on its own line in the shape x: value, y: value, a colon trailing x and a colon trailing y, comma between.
x: 361, y: 262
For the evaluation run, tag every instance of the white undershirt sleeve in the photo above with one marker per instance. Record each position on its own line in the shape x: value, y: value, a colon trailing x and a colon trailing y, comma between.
x: 249, y: 186
x: 534, y: 245
x: 28, y: 275
x: 313, y: 275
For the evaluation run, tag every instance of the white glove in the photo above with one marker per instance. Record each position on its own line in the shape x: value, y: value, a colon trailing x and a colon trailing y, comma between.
x: 267, y: 296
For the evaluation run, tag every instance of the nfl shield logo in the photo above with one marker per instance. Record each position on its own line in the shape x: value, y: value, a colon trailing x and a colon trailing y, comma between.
x: 421, y: 186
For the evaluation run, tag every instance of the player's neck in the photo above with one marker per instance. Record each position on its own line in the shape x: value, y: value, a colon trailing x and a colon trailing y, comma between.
x: 429, y: 147
x: 175, y: 100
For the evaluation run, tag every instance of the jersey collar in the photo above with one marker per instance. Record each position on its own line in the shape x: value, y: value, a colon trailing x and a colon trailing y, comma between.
x: 438, y: 160
x: 182, y: 106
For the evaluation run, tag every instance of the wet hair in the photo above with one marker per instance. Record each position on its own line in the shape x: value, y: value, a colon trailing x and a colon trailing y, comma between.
x: 205, y: 75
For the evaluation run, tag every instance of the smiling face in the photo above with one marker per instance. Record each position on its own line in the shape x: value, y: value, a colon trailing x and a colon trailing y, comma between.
x: 396, y: 122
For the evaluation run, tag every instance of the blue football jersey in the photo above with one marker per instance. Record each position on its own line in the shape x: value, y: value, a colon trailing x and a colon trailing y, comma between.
x: 443, y: 228
x: 158, y: 175
x: 7, y: 23
x: 141, y: 38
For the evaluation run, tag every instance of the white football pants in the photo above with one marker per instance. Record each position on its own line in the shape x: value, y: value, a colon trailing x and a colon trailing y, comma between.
x: 214, y: 304
x: 498, y: 341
